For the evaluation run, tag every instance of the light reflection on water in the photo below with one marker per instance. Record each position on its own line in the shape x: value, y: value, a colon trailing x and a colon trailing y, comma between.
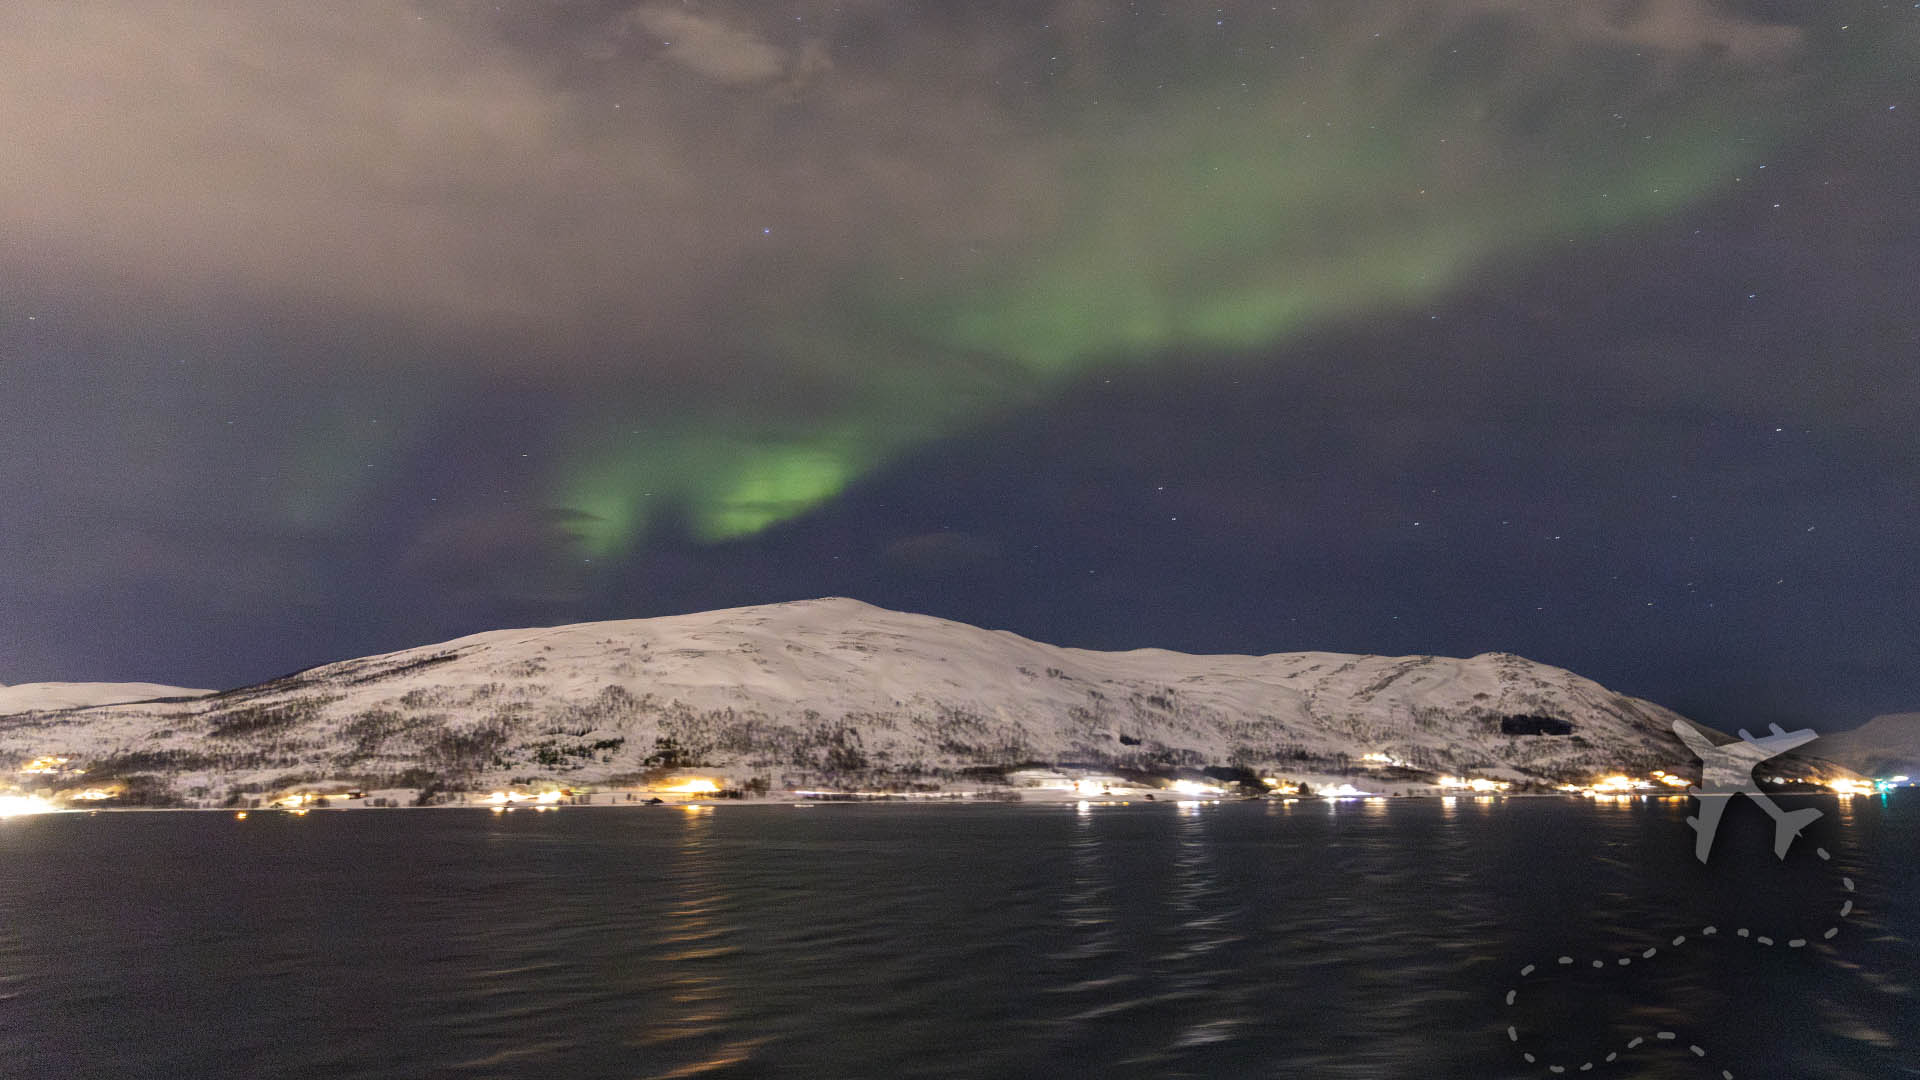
x: 1362, y: 939
x: 698, y: 1024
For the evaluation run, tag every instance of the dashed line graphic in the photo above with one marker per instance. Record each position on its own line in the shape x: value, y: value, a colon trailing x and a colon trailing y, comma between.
x: 1726, y: 772
x: 1744, y: 933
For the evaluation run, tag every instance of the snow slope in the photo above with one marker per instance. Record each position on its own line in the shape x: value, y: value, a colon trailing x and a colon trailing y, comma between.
x: 27, y: 697
x: 1882, y: 747
x: 835, y: 688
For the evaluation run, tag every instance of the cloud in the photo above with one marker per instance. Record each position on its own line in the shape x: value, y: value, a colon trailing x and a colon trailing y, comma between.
x: 354, y: 174
x: 1678, y: 27
x: 710, y: 47
x: 433, y: 170
x: 749, y: 273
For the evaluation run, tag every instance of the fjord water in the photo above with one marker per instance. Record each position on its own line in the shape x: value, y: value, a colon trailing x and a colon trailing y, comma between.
x: 1356, y: 939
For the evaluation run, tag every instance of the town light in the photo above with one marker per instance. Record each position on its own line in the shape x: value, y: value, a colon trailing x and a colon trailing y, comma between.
x: 1619, y: 784
x: 1195, y: 787
x: 505, y: 798
x: 1477, y: 783
x: 697, y: 785
x: 21, y: 805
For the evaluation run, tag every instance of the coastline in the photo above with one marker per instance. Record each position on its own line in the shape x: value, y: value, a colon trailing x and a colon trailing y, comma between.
x: 943, y: 798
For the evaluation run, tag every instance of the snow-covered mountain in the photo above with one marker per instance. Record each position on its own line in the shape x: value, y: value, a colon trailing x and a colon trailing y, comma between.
x: 835, y: 689
x: 1882, y: 747
x: 28, y: 697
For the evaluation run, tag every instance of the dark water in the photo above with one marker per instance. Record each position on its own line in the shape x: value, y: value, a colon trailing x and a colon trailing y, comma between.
x: 1240, y: 940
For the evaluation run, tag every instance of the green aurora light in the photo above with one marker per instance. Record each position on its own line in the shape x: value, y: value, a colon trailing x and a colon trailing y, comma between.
x: 1234, y: 212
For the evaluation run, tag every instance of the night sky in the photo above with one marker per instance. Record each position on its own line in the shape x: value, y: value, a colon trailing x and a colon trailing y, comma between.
x: 1586, y: 331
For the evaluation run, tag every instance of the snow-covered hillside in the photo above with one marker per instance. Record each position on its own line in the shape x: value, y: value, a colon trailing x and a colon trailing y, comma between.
x: 1882, y: 747
x: 838, y: 689
x: 27, y: 697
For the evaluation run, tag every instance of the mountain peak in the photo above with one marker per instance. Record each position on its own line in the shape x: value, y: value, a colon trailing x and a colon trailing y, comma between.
x: 809, y: 690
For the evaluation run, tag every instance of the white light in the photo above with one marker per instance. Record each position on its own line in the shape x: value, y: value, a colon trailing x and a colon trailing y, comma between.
x: 1477, y: 783
x: 21, y: 805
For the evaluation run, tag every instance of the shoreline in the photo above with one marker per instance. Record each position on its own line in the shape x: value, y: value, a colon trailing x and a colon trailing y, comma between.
x: 956, y: 799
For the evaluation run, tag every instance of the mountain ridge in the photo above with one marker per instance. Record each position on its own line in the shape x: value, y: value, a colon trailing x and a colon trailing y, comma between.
x: 838, y: 691
x: 42, y: 696
x: 1884, y: 746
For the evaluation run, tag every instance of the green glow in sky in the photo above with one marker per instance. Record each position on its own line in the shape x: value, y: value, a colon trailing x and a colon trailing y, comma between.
x: 728, y: 482
x: 1222, y: 216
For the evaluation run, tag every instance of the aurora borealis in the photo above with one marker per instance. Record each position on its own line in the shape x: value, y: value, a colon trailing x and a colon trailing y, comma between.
x: 329, y: 331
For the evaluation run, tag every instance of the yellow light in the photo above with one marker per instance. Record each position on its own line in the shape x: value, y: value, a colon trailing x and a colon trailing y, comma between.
x: 93, y: 794
x: 241, y: 816
x: 1850, y: 787
x: 47, y: 764
x: 21, y: 805
x: 1615, y: 784
x: 698, y: 785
